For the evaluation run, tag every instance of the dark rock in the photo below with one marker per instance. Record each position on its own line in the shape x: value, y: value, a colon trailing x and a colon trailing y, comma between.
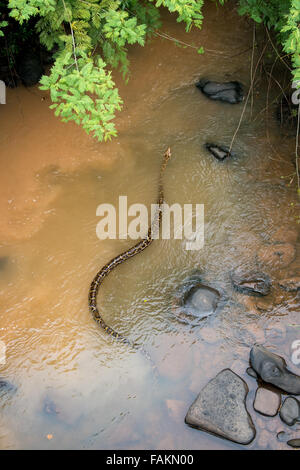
x: 220, y: 409
x: 294, y: 443
x: 252, y: 373
x: 267, y: 402
x: 228, y: 92
x: 272, y: 369
x: 251, y: 283
x: 220, y: 152
x: 290, y: 411
x: 30, y: 69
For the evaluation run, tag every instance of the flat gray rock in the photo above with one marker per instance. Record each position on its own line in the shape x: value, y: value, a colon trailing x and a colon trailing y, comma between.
x: 294, y: 443
x: 220, y: 409
x: 266, y: 402
x: 290, y: 411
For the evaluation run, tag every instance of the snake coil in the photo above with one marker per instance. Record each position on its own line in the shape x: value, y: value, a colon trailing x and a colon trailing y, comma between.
x: 138, y: 248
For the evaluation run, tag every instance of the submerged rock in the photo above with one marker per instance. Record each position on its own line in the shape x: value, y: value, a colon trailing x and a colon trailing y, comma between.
x: 290, y: 411
x: 272, y: 369
x: 220, y: 409
x: 195, y: 301
x: 228, y: 92
x: 294, y: 443
x: 281, y: 436
x: 266, y: 402
x: 251, y: 283
x: 220, y: 152
x: 203, y: 299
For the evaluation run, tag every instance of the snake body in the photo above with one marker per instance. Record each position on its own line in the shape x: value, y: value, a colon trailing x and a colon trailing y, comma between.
x: 108, y: 267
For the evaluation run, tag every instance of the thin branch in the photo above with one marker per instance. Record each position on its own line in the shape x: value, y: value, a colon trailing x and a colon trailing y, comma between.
x: 270, y: 104
x: 73, y: 39
x: 74, y: 48
x: 247, y: 98
x: 212, y: 51
x: 170, y: 38
x: 251, y: 68
x: 242, y: 52
x: 276, y: 51
x: 267, y: 110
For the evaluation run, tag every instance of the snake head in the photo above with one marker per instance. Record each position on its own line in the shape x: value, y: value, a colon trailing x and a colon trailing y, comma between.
x: 168, y: 154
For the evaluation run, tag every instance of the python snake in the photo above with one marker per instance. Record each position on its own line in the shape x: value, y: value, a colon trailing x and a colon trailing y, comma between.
x: 138, y: 248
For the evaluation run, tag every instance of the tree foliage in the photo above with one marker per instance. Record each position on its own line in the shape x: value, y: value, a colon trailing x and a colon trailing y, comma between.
x: 2, y: 25
x: 89, y: 37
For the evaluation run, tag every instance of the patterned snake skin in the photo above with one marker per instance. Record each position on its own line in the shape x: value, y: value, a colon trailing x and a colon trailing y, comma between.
x: 138, y: 248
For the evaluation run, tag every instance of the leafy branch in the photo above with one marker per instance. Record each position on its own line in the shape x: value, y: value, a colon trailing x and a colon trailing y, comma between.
x: 88, y: 37
x: 85, y: 93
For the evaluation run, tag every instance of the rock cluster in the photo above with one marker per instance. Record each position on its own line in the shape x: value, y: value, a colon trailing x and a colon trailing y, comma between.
x: 220, y: 407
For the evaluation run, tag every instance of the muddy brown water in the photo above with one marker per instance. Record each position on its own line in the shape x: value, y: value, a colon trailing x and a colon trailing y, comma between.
x: 76, y: 387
